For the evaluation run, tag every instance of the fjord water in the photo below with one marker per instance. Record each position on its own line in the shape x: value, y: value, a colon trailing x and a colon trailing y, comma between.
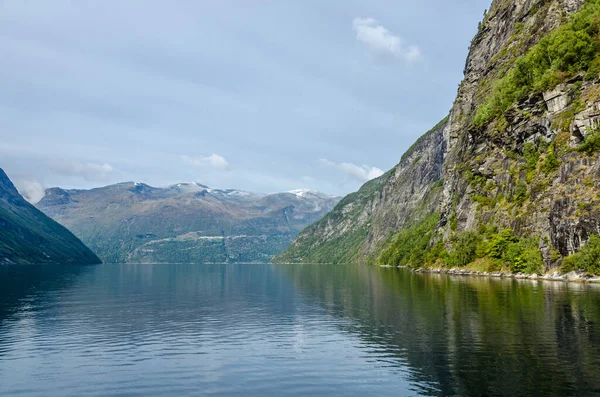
x: 257, y: 330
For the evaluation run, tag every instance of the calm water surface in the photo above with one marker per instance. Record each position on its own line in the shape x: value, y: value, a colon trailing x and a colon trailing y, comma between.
x: 262, y: 330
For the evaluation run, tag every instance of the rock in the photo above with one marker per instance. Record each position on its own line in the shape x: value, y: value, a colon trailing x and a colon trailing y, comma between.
x: 573, y: 276
x: 555, y: 276
x: 557, y: 99
x: 585, y: 122
x: 570, y: 6
x: 555, y: 204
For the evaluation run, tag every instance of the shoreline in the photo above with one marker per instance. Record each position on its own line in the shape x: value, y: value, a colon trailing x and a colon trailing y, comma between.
x: 573, y: 277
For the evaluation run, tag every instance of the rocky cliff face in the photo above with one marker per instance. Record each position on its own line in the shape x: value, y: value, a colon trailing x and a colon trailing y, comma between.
x: 501, y: 172
x: 519, y: 151
x: 27, y: 236
x: 361, y: 224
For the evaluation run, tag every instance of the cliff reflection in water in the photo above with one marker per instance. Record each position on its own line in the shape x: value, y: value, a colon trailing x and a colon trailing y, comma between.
x: 21, y: 287
x: 468, y: 335
x: 255, y: 330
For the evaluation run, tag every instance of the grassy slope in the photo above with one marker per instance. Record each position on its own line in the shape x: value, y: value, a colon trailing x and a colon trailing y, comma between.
x: 344, y: 248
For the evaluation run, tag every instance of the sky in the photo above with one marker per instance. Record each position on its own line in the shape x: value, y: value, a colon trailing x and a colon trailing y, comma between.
x: 261, y: 95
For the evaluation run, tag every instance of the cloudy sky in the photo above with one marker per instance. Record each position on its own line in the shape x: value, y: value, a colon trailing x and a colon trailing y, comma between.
x: 263, y: 95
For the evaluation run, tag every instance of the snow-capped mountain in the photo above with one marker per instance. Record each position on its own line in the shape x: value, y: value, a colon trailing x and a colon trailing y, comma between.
x: 185, y: 222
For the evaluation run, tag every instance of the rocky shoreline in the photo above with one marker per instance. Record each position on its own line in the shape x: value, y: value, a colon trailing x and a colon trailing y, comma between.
x: 579, y: 277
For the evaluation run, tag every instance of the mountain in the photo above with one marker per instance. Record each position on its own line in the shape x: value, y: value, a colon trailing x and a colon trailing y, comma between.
x: 184, y: 223
x: 359, y: 226
x: 27, y: 236
x: 511, y: 179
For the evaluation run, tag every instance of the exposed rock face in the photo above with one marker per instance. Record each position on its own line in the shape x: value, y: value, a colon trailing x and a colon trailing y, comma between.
x: 360, y: 225
x: 586, y: 121
x: 27, y: 236
x: 557, y: 99
x: 412, y: 191
x: 561, y: 207
x: 525, y: 170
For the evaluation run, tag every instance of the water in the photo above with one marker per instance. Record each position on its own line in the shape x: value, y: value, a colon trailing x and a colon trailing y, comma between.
x: 260, y: 330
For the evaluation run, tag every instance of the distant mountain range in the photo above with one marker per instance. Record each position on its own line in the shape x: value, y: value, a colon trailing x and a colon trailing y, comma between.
x: 27, y: 236
x: 184, y: 223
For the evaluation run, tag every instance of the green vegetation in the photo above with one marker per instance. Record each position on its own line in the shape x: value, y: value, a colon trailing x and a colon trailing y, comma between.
x: 486, y: 249
x: 531, y: 156
x: 521, y: 193
x: 523, y: 256
x: 588, y: 259
x: 562, y: 123
x: 551, y: 163
x: 498, y: 243
x: 591, y: 143
x: 238, y: 249
x: 453, y: 222
x: 410, y: 245
x: 563, y: 53
x: 498, y: 248
x: 310, y: 247
x: 464, y: 249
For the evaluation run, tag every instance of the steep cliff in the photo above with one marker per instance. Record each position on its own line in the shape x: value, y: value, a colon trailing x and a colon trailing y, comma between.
x: 27, y: 236
x: 362, y: 223
x: 520, y: 141
x: 519, y: 161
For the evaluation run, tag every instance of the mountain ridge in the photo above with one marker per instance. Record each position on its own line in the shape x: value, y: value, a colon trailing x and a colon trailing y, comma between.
x: 359, y: 225
x: 27, y: 236
x: 184, y: 222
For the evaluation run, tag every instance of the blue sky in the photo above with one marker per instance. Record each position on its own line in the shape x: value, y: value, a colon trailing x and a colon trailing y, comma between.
x: 262, y: 95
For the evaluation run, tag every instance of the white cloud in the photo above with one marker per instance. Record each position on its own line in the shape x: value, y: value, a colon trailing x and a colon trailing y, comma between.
x: 90, y: 172
x: 32, y: 190
x: 214, y: 160
x: 361, y: 173
x: 379, y: 39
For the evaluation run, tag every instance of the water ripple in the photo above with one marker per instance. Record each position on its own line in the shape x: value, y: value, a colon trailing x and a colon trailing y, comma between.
x: 255, y: 330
